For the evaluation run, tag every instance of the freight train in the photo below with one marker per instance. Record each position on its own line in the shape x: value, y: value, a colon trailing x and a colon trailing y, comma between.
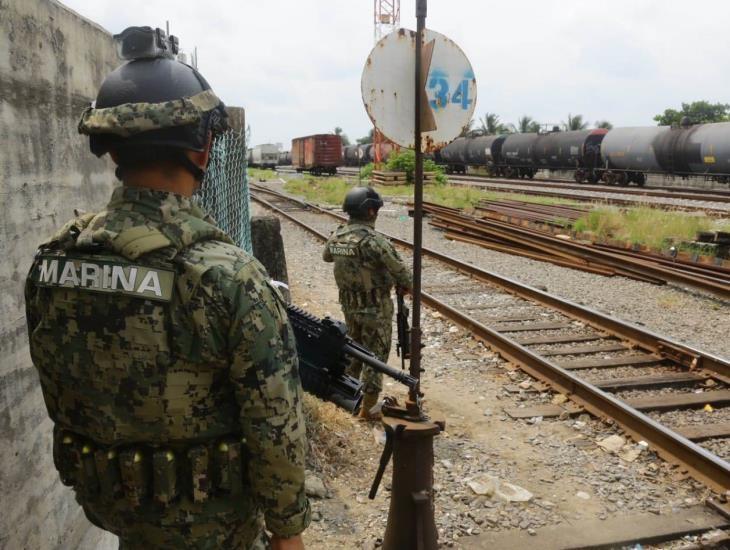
x: 618, y: 156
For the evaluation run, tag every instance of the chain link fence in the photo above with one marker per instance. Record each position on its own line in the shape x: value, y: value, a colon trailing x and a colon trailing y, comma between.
x: 224, y: 193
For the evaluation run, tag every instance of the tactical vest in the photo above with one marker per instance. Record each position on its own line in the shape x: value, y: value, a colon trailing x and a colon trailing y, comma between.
x: 361, y: 281
x: 133, y: 377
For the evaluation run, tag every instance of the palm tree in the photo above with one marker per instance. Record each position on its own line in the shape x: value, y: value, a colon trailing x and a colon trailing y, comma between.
x: 469, y: 130
x: 526, y: 124
x: 604, y: 124
x: 490, y: 124
x: 575, y: 123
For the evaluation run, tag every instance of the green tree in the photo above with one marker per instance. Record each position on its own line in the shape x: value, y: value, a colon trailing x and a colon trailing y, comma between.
x: 698, y: 112
x: 490, y: 125
x: 368, y: 138
x: 343, y: 137
x: 470, y: 131
x: 405, y: 161
x: 575, y: 122
x: 604, y: 124
x: 526, y: 124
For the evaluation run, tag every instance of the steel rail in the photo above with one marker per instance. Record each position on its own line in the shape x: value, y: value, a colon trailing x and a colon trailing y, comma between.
x: 686, y: 355
x: 674, y: 448
x: 687, y: 193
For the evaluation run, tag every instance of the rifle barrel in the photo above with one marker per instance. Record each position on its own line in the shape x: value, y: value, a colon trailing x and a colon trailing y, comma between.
x: 401, y: 376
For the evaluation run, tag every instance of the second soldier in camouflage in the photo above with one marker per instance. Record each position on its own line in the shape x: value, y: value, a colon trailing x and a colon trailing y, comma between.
x: 367, y: 267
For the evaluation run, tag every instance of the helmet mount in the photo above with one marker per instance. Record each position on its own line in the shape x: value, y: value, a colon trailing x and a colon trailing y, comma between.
x: 153, y: 100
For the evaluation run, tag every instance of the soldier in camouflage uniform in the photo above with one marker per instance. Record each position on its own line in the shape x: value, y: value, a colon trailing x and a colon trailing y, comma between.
x: 164, y: 353
x: 366, y: 269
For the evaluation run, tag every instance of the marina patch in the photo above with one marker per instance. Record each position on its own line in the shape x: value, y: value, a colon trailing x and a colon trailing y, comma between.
x: 104, y: 276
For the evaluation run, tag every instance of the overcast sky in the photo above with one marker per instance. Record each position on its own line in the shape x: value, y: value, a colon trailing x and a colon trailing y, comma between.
x: 295, y: 65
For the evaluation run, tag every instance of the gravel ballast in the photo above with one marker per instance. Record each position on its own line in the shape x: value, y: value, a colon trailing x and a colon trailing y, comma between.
x: 559, y: 461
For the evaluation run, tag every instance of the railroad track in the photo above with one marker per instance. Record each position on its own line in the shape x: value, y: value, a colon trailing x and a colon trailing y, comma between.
x: 695, y: 199
x: 612, y: 369
x: 690, y: 193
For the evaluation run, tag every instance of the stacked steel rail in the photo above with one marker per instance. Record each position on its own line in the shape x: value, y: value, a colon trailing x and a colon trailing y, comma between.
x: 556, y: 351
x: 557, y: 215
x: 513, y: 239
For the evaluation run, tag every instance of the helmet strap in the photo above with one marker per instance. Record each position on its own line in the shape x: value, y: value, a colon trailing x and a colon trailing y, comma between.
x: 197, y: 172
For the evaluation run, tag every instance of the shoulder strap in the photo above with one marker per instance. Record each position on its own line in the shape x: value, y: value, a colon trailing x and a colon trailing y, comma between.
x: 137, y: 241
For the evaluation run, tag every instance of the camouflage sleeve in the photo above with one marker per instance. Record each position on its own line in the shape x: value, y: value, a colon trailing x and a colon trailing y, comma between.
x: 379, y: 249
x: 265, y: 377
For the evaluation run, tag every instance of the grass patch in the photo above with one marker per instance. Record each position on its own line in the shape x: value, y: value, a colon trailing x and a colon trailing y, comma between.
x: 322, y: 190
x: 333, y: 191
x: 642, y: 225
x: 258, y: 174
x: 645, y: 226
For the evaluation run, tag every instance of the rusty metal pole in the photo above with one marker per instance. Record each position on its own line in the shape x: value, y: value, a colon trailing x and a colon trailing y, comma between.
x: 411, y: 522
x: 415, y: 367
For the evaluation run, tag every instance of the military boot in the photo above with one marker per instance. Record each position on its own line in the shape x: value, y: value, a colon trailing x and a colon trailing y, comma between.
x: 369, y: 401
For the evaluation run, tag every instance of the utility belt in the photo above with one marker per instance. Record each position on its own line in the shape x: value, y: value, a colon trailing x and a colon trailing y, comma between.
x: 363, y: 299
x: 141, y: 474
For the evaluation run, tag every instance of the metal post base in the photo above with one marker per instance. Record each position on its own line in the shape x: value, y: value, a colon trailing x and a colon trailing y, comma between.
x: 411, y: 524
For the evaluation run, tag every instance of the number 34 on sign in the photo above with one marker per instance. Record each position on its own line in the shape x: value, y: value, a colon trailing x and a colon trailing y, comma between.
x: 438, y: 88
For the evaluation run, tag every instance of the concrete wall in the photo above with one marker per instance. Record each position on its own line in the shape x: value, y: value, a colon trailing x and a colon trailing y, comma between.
x: 51, y: 64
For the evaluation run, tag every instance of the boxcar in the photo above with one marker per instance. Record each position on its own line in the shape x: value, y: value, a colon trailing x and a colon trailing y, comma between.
x: 317, y: 154
x: 265, y: 155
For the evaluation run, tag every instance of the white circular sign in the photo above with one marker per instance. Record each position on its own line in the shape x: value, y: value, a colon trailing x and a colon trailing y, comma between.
x: 388, y: 88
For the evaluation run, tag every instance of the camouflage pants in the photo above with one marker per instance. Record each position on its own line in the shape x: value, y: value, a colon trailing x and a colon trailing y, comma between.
x: 373, y: 328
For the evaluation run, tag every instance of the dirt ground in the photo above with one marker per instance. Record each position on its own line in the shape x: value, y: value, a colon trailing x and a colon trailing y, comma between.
x: 568, y: 476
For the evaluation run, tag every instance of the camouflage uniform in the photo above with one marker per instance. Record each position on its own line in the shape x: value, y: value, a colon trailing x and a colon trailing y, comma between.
x: 170, y: 371
x: 366, y: 268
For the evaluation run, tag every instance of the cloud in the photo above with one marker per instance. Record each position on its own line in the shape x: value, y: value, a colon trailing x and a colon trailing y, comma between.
x: 295, y: 65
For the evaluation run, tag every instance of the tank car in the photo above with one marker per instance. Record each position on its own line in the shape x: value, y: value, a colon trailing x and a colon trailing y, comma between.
x: 578, y: 151
x: 486, y: 151
x: 703, y: 149
x: 518, y: 155
x: 350, y: 155
x: 284, y: 158
x: 628, y: 154
x: 317, y: 154
x: 454, y: 156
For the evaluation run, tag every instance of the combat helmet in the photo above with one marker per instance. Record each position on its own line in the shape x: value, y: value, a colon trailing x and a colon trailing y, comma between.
x: 361, y: 199
x: 152, y: 100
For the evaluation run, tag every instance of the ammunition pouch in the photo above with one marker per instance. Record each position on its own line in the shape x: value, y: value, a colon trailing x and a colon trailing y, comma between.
x: 353, y: 299
x: 143, y: 473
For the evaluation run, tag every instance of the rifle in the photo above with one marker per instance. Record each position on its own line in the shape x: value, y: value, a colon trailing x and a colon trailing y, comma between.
x: 403, y: 348
x: 325, y: 352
